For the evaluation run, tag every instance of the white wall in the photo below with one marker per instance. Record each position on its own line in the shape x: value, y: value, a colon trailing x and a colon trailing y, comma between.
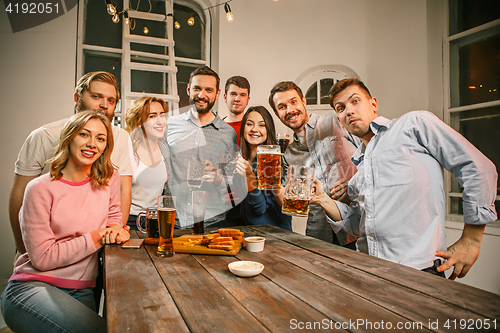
x: 394, y: 45
x: 36, y: 87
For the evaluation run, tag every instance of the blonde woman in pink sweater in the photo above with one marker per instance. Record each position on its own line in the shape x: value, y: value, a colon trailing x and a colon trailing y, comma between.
x: 65, y: 218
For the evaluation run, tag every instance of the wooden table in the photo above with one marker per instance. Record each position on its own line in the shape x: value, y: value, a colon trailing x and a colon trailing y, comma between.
x: 307, y: 285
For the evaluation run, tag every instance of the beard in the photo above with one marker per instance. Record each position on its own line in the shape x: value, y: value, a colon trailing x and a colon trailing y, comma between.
x: 204, y: 110
x: 80, y: 106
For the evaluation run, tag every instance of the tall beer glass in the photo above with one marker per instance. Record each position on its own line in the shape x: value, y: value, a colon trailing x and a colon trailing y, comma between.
x: 298, y: 190
x: 166, y: 222
x: 269, y: 167
x: 199, y: 205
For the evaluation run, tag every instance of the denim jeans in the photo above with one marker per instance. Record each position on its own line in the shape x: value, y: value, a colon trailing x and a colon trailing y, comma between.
x: 33, y: 306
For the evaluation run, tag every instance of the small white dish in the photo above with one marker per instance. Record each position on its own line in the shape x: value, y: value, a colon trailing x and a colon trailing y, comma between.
x: 255, y: 244
x: 246, y: 268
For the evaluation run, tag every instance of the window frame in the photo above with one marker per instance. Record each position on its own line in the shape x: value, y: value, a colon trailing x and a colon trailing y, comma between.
x: 314, y: 75
x: 196, y: 5
x: 451, y: 45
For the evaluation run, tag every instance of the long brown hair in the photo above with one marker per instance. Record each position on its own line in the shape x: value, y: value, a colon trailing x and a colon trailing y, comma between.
x: 271, y: 132
x: 102, y: 169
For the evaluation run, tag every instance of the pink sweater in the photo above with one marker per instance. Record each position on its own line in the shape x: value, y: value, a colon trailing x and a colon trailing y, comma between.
x: 59, y: 222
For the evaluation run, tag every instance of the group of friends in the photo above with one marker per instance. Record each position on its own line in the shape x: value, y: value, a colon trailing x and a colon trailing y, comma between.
x: 80, y: 183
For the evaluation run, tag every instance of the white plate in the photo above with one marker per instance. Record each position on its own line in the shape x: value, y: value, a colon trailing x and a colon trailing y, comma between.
x: 245, y: 268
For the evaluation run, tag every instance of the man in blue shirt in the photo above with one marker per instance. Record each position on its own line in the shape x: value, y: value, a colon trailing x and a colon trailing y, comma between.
x: 398, y: 199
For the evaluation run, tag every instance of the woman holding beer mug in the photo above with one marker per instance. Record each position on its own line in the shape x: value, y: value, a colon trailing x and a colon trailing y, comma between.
x: 146, y: 122
x: 259, y: 207
x: 66, y: 216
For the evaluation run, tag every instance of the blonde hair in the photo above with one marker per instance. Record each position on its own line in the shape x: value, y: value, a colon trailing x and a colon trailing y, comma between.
x: 136, y: 115
x: 85, y: 81
x: 102, y: 169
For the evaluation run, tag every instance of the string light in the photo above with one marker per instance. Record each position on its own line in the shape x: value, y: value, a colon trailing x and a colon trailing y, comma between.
x: 229, y: 15
x: 110, y: 8
x: 115, y: 13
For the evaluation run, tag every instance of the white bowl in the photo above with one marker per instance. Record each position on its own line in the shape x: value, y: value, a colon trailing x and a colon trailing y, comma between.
x: 255, y: 244
x: 245, y: 268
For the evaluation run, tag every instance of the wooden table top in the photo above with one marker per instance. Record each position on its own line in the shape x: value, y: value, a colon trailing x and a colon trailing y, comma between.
x: 307, y: 285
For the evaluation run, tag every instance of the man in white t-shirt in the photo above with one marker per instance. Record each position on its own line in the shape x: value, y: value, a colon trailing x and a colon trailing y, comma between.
x: 94, y: 91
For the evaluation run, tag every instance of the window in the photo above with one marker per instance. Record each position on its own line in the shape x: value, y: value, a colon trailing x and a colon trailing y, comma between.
x: 142, y: 55
x: 472, y: 53
x: 316, y: 83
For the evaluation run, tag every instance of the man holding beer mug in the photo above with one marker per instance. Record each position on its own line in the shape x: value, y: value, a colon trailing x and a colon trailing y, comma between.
x: 318, y: 142
x: 399, y: 204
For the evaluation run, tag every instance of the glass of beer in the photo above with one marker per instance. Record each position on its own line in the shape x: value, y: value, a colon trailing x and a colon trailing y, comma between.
x: 283, y: 141
x: 269, y: 167
x: 166, y: 222
x: 199, y: 201
x: 298, y: 190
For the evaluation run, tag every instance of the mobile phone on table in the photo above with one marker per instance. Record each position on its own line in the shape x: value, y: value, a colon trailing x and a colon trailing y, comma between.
x: 132, y: 244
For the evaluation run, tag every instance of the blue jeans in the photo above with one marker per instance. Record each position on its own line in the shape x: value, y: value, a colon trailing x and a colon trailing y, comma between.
x: 33, y: 306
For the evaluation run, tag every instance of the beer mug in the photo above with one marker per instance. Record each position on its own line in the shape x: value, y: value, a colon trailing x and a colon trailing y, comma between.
x: 298, y: 190
x: 269, y: 167
x: 166, y: 222
x: 283, y: 141
x: 199, y: 201
x: 151, y: 224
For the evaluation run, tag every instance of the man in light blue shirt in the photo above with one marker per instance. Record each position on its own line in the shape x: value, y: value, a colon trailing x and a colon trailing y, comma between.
x: 398, y: 196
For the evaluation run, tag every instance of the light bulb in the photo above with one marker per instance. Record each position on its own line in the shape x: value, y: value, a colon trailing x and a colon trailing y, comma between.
x: 111, y: 9
x: 191, y: 21
x: 115, y: 18
x: 229, y: 15
x: 177, y: 25
x: 126, y: 20
x: 146, y: 30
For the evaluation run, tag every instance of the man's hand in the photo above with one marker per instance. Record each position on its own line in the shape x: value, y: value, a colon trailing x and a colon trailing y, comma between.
x: 463, y: 253
x: 211, y: 174
x: 339, y: 190
x: 317, y: 192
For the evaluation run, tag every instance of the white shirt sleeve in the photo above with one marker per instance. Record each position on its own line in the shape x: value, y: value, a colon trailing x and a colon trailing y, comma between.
x: 121, y: 152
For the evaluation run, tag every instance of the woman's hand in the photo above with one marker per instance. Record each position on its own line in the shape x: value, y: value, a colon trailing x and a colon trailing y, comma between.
x: 114, y: 235
x: 339, y: 190
x: 244, y: 168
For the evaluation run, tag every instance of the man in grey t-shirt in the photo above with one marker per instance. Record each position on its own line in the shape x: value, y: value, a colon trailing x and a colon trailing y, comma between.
x: 319, y: 142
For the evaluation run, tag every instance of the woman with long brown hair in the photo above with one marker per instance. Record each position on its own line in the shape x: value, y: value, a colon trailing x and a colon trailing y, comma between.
x: 259, y: 207
x: 66, y: 216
